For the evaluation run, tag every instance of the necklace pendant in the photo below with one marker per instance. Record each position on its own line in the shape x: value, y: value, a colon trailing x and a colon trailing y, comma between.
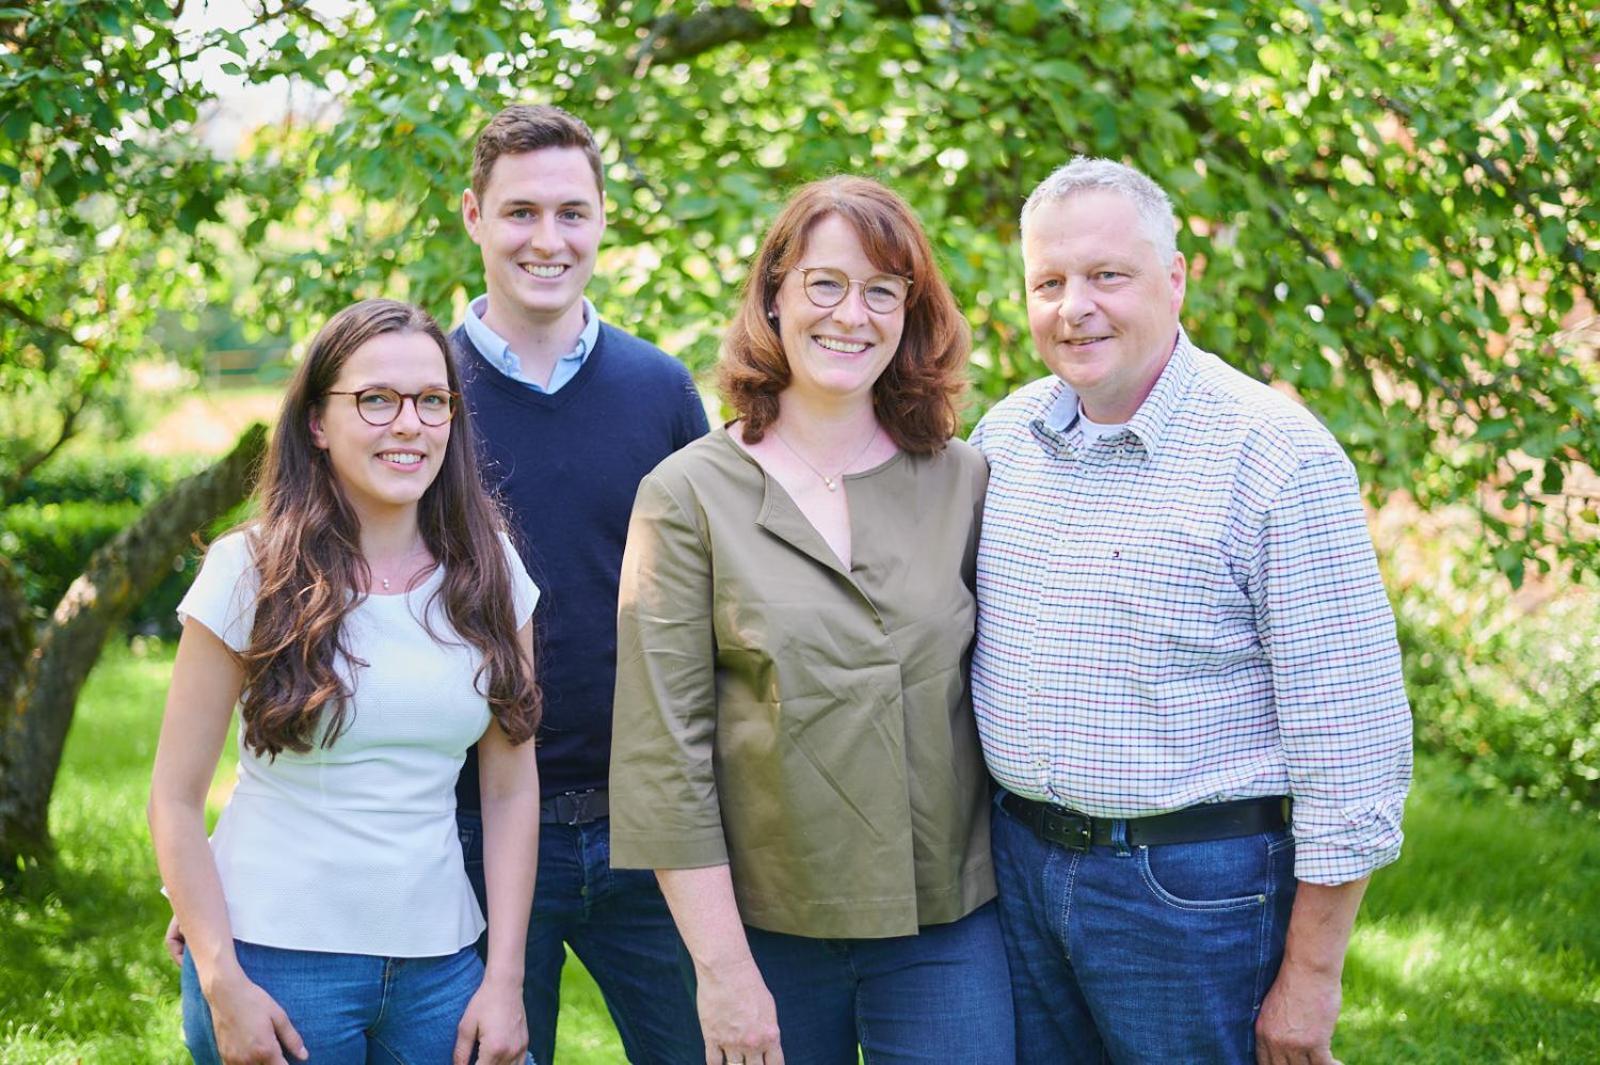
x: 833, y: 486
x: 386, y: 584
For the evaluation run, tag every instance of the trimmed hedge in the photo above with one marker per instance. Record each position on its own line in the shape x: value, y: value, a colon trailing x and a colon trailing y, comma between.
x: 106, y: 478
x: 75, y: 503
x: 49, y: 544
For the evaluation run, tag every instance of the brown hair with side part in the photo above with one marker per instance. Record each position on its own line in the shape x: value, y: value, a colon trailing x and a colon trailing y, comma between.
x: 527, y: 128
x: 305, y: 543
x: 915, y: 396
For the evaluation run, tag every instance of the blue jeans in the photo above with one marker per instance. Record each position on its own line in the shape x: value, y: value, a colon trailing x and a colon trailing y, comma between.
x: 619, y: 927
x: 1142, y: 954
x: 351, y: 1009
x: 940, y: 996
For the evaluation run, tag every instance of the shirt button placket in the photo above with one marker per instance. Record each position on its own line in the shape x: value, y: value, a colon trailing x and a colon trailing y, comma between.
x: 1058, y: 547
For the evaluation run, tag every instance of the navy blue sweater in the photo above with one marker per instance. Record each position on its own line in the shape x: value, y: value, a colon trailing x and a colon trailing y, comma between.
x: 567, y: 465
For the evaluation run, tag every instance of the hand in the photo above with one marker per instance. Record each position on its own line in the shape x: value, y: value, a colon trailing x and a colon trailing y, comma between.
x: 174, y: 942
x: 495, y: 1024
x: 251, y: 1028
x: 738, y: 1018
x: 1297, y: 1018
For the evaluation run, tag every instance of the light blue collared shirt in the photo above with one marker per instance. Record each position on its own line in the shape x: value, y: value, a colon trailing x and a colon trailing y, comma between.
x: 497, y: 349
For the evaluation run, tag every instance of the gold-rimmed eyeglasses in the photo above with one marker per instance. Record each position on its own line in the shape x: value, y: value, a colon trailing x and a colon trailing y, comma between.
x: 827, y: 287
x: 381, y: 406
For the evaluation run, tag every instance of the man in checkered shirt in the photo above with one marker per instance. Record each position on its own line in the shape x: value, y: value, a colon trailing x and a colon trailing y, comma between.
x: 1186, y: 675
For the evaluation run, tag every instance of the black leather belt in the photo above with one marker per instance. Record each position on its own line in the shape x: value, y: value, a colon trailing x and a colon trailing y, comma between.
x: 575, y: 807
x: 1193, y: 824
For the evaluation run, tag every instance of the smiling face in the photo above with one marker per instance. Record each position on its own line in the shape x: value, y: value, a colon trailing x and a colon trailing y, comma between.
x: 382, y: 469
x: 835, y: 352
x: 538, y: 225
x: 1102, y: 306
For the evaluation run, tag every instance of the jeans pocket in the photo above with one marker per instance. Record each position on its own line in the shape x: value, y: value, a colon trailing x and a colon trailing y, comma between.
x: 1210, y: 877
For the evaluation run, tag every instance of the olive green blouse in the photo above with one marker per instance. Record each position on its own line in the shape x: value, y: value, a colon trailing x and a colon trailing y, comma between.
x: 807, y: 724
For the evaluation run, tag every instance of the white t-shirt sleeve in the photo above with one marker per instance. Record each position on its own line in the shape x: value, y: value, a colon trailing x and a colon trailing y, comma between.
x: 524, y: 593
x: 223, y: 595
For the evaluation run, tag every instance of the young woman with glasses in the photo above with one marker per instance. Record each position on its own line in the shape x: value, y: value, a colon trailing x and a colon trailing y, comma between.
x: 371, y: 622
x: 794, y: 751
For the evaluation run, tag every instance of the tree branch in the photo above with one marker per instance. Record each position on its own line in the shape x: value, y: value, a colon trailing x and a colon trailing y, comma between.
x: 1551, y: 10
x: 16, y: 632
x: 11, y: 33
x: 215, y: 37
x: 673, y: 39
x: 69, y: 426
x: 1453, y: 13
x: 36, y: 717
x: 21, y: 314
x: 73, y: 407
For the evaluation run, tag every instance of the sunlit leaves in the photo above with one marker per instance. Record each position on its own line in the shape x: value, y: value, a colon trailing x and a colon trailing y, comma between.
x: 1390, y: 207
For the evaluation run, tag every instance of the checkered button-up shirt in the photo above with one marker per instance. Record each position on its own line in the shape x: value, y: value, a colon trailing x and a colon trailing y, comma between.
x: 1189, y: 611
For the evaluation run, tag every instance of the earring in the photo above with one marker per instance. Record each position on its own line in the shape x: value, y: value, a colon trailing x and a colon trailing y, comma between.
x: 772, y: 315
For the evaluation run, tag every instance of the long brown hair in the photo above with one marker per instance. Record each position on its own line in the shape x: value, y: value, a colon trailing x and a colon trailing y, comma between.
x: 915, y: 396
x: 306, y: 547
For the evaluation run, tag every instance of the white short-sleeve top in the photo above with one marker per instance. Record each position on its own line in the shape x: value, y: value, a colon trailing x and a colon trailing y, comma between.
x: 353, y: 848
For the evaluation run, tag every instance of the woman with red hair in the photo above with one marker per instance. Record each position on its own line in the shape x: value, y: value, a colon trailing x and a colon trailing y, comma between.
x: 794, y: 751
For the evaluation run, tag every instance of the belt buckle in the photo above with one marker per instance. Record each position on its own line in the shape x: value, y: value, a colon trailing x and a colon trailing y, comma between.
x: 1070, y: 830
x: 578, y: 809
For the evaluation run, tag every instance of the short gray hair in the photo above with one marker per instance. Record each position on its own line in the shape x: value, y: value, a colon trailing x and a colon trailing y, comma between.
x: 1084, y: 174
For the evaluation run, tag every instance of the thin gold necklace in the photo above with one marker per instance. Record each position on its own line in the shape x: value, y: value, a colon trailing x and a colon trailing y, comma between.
x: 413, y: 553
x: 831, y: 482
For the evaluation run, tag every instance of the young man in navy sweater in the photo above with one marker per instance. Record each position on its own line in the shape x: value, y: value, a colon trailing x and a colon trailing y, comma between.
x: 571, y: 413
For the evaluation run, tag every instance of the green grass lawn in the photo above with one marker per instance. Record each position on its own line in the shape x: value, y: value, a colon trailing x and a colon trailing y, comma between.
x: 1481, y: 945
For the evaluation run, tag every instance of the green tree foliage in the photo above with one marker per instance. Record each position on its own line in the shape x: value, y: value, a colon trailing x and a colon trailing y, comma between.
x: 104, y: 190
x: 103, y: 194
x: 1390, y: 206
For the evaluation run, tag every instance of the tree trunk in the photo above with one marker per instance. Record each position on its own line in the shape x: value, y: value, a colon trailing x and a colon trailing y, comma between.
x: 39, y: 698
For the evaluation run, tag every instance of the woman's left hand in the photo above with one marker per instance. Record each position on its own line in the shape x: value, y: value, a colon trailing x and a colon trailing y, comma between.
x: 495, y: 1024
x: 174, y: 941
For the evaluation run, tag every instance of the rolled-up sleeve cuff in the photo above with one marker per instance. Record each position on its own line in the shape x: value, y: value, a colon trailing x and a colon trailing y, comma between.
x: 1338, y: 844
x: 639, y: 850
